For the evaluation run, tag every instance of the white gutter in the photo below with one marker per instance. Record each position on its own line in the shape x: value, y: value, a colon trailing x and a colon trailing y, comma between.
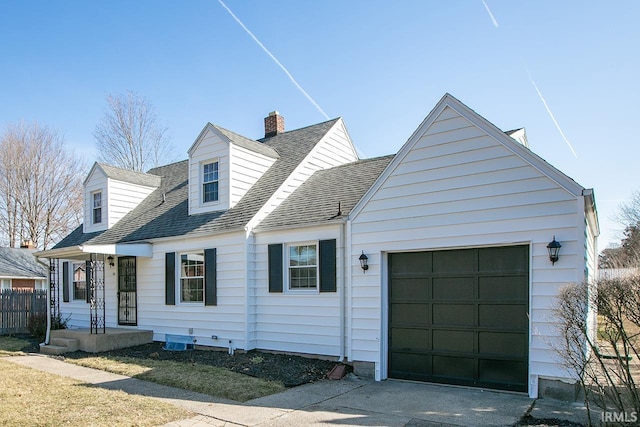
x: 124, y: 249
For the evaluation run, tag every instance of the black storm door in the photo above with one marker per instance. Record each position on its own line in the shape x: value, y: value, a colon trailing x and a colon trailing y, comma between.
x: 127, y: 299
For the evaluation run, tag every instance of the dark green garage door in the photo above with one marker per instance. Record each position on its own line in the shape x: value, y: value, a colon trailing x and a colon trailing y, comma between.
x: 460, y: 316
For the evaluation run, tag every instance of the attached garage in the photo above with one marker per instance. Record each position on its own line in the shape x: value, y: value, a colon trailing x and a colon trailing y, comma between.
x: 460, y: 316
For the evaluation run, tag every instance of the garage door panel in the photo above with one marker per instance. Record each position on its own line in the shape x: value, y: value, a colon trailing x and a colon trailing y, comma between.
x: 507, y: 344
x: 453, y: 288
x: 503, y: 316
x: 447, y: 340
x: 452, y: 367
x: 504, y: 259
x: 503, y: 288
x: 456, y: 261
x: 508, y: 373
x: 410, y: 289
x: 411, y: 338
x: 410, y: 263
x: 405, y: 314
x: 460, y: 316
x: 454, y: 314
x: 411, y: 363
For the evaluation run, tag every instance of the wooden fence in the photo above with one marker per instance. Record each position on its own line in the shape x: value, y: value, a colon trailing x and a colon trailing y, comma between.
x: 17, y: 307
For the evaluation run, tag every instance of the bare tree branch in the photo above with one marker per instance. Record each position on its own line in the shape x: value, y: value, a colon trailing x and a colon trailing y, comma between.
x: 40, y: 186
x: 130, y: 136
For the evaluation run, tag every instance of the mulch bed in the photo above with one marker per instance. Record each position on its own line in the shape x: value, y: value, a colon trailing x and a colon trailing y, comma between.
x: 289, y: 370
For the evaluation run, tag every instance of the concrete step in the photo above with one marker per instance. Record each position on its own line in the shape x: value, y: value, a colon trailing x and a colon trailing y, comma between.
x: 54, y: 350
x: 72, y: 344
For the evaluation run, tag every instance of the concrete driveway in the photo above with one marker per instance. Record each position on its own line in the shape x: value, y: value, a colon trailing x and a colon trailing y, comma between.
x: 348, y: 402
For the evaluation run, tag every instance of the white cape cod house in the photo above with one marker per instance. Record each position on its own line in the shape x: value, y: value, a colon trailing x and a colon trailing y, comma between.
x: 260, y: 244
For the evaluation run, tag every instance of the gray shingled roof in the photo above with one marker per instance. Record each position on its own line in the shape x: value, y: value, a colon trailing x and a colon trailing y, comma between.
x: 155, y: 218
x: 129, y: 176
x: 317, y: 199
x: 20, y: 263
x: 247, y: 143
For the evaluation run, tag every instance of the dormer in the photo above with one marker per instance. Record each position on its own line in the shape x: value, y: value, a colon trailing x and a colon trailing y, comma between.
x: 223, y: 166
x: 110, y: 193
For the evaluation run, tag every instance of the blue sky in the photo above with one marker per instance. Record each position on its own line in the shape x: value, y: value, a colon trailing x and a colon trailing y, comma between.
x: 380, y: 65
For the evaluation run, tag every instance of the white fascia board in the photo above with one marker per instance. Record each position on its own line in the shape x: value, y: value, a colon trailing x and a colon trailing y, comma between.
x: 70, y: 252
x: 591, y: 211
x: 490, y: 129
x: 515, y: 147
x: 23, y: 277
x: 259, y: 229
x: 95, y: 166
x: 122, y: 249
x: 207, y: 127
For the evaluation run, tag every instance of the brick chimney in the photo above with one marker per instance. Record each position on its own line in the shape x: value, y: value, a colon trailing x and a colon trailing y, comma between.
x: 273, y: 124
x: 27, y: 244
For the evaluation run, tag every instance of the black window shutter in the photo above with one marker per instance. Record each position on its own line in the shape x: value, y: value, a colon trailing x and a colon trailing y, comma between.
x: 88, y: 278
x: 210, y: 285
x: 170, y: 278
x: 65, y: 281
x: 275, y: 268
x: 327, y: 265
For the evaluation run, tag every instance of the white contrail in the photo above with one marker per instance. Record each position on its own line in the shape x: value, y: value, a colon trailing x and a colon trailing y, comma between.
x: 274, y: 60
x: 493, y: 19
x: 535, y: 86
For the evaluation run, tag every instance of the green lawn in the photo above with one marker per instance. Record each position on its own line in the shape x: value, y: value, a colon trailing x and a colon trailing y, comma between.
x: 11, y: 346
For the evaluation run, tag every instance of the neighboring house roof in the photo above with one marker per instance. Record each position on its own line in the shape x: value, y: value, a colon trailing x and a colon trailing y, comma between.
x: 125, y: 175
x: 164, y: 213
x: 318, y: 199
x: 20, y: 263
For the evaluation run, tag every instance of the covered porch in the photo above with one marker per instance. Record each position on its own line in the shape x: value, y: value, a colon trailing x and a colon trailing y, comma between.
x: 104, y: 276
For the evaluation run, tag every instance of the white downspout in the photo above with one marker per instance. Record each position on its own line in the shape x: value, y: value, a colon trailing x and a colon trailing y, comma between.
x: 348, y: 294
x: 342, y: 289
x: 46, y: 335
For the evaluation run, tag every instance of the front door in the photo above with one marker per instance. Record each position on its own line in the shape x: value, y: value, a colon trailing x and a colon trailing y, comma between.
x: 127, y: 300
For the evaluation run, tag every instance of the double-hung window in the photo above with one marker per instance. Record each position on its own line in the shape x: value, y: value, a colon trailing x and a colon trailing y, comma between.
x: 192, y: 277
x: 210, y: 182
x: 79, y: 281
x: 303, y: 266
x: 97, y: 207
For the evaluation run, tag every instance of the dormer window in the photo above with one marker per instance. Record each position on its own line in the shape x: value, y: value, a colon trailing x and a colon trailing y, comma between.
x: 210, y: 182
x: 97, y: 207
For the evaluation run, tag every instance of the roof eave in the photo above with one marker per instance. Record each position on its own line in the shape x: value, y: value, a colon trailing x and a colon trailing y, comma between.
x: 336, y: 221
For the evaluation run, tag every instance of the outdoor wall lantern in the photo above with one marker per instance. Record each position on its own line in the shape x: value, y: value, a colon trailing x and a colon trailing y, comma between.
x: 110, y: 259
x: 554, y: 250
x: 363, y: 262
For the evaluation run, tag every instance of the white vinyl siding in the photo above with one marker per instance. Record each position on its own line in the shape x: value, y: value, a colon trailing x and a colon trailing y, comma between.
x: 95, y: 183
x: 459, y: 187
x: 226, y: 320
x: 118, y: 199
x: 247, y: 167
x: 334, y: 149
x: 123, y: 198
x: 210, y: 148
x: 294, y: 321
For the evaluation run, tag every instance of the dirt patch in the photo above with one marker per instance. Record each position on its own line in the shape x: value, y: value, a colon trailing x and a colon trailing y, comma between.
x: 529, y: 421
x: 289, y: 370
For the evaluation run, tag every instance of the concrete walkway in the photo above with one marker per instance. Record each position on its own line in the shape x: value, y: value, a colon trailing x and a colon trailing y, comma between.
x: 349, y: 402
